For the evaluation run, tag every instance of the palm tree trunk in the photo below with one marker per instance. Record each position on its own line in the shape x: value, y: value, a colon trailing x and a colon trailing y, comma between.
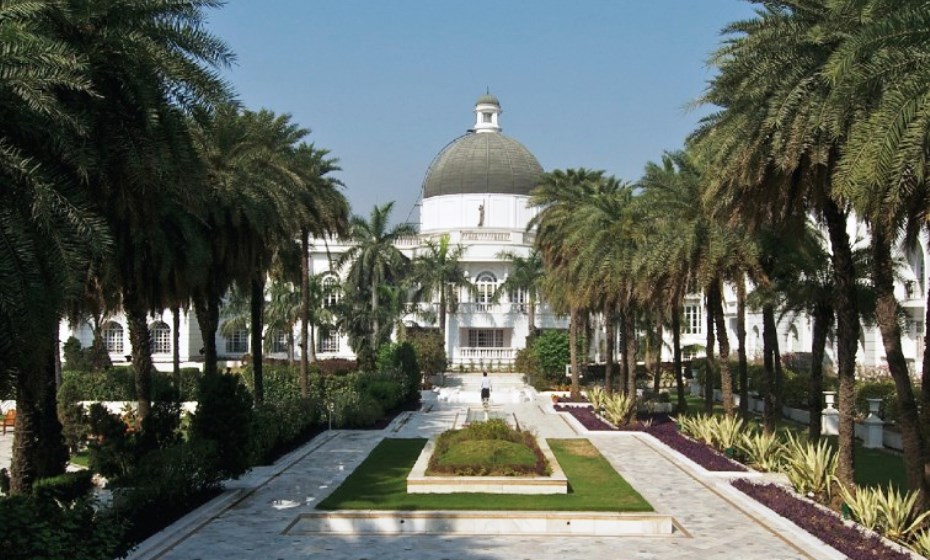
x: 847, y: 336
x: 925, y: 384
x: 823, y: 318
x: 573, y: 351
x: 38, y: 446
x: 208, y: 316
x: 709, y: 361
x: 886, y: 315
x: 610, y: 331
x: 629, y: 351
x: 723, y: 342
x: 374, y: 317
x: 676, y: 354
x: 305, y: 347
x: 141, y: 343
x: 531, y: 314
x: 175, y: 345
x: 741, y: 346
x: 657, y: 354
x: 257, y: 303
x: 769, y: 341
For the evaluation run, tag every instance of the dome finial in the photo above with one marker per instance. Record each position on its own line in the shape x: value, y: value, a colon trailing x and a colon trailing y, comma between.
x: 487, y: 111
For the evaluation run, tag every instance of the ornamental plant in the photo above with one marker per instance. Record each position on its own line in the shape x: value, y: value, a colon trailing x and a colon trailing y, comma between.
x: 764, y: 452
x: 620, y: 408
x: 597, y: 396
x: 811, y: 468
x: 899, y: 518
x: 863, y: 505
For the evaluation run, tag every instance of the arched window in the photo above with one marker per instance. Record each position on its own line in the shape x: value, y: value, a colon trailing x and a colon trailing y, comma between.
x: 113, y: 337
x: 161, y: 338
x: 332, y: 293
x: 486, y: 284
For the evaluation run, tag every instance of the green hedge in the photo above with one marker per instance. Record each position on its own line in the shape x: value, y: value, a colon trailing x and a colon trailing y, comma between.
x: 118, y: 384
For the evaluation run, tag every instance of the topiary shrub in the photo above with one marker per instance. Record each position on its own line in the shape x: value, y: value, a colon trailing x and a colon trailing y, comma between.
x: 224, y: 416
x: 64, y: 489
x: 551, y: 352
x: 430, y: 350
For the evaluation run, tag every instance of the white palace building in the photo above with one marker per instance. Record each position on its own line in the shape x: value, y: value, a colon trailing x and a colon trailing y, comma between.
x: 476, y: 191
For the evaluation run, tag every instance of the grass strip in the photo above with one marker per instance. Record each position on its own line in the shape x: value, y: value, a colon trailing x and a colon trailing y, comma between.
x: 380, y: 483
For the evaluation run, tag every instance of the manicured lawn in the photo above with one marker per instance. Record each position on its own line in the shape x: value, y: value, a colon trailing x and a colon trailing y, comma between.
x: 380, y: 483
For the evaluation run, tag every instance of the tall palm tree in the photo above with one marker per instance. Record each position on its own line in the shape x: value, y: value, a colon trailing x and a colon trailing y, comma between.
x: 437, y: 271
x: 878, y: 75
x: 373, y: 259
x: 776, y: 146
x: 526, y: 274
x: 325, y: 213
x: 557, y: 195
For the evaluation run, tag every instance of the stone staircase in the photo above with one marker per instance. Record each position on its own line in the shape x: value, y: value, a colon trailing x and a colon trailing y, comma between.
x: 466, y: 388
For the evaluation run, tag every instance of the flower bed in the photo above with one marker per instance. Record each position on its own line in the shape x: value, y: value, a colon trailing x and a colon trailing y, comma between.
x: 822, y: 523
x: 701, y: 454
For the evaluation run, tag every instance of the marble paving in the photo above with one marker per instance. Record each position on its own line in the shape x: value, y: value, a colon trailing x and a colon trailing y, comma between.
x: 251, y: 519
x: 249, y: 525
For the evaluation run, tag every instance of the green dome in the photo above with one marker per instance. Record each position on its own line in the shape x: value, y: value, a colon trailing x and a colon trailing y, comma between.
x: 488, y: 98
x: 483, y: 163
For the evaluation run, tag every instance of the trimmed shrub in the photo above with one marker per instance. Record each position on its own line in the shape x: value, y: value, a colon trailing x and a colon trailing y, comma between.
x: 64, y: 489
x: 551, y: 352
x: 224, y: 416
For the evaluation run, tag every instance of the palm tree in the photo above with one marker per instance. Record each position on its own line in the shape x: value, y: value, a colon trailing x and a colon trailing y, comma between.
x: 775, y: 146
x: 883, y: 173
x: 558, y: 194
x: 50, y: 232
x: 437, y: 270
x: 326, y: 213
x: 526, y: 274
x: 375, y: 260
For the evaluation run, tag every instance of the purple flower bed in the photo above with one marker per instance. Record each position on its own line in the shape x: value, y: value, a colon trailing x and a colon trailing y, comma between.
x: 586, y: 416
x: 825, y: 525
x: 701, y: 454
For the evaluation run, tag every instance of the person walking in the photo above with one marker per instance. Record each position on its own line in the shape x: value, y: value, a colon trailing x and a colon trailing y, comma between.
x: 485, y: 389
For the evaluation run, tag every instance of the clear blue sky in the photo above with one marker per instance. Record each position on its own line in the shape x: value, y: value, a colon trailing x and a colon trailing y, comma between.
x: 385, y: 85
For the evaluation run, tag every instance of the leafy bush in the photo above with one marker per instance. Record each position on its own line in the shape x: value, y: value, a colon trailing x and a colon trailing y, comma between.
x: 64, y: 489
x: 282, y: 382
x: 493, y: 430
x: 551, y: 352
x: 112, y: 452
x: 430, y: 350
x: 336, y: 366
x: 118, y: 384
x: 278, y: 426
x: 75, y: 425
x: 34, y: 528
x: 85, y: 359
x: 224, y: 416
x: 166, y: 485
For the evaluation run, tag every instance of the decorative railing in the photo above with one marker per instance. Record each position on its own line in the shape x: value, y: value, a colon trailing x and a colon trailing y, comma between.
x: 487, y: 355
x: 488, y: 236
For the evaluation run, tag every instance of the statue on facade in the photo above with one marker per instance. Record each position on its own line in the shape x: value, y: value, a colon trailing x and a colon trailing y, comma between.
x: 481, y: 215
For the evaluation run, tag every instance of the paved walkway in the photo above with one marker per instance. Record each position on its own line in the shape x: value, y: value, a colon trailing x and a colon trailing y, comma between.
x: 714, y: 521
x: 244, y: 524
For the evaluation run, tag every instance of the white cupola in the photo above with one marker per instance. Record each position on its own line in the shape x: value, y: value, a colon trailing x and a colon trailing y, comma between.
x: 487, y: 112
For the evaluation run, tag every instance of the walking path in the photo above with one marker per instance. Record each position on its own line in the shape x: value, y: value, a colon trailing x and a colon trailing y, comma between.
x: 714, y: 521
x: 243, y: 523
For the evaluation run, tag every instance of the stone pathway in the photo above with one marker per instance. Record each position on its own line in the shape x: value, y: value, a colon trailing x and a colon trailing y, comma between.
x: 244, y: 523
